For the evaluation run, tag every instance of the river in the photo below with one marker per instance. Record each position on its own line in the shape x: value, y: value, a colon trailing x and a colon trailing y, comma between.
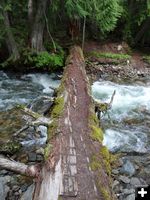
x: 129, y: 116
x: 126, y: 128
x: 23, y: 89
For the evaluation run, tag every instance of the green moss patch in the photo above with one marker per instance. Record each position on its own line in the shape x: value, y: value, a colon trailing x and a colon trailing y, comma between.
x: 115, y: 56
x: 95, y: 164
x: 93, y: 120
x: 10, y: 148
x: 47, y: 151
x: 146, y: 58
x: 55, y: 114
x: 105, y: 193
x: 97, y: 134
x: 58, y: 107
x: 107, y: 159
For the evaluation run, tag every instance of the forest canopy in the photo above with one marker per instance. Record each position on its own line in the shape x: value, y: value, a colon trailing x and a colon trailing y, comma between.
x: 45, y: 25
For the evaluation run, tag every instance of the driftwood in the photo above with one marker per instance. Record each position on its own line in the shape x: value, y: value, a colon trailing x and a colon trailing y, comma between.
x: 17, y: 167
x: 74, y: 166
x: 40, y: 120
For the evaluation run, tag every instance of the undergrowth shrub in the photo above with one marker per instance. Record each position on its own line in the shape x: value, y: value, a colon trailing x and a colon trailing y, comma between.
x: 44, y: 59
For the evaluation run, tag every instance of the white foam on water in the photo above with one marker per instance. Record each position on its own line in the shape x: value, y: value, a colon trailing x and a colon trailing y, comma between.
x: 38, y: 141
x: 45, y: 80
x: 125, y: 141
x: 126, y: 105
x: 22, y: 90
x: 126, y: 99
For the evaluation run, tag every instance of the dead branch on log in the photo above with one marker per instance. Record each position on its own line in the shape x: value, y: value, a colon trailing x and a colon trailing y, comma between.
x: 102, y: 108
x: 40, y: 119
x: 18, y: 167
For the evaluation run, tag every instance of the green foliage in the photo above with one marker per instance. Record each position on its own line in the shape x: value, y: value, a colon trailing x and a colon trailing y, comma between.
x: 44, y: 59
x: 128, y: 17
x: 135, y: 14
x: 146, y: 58
x: 106, y: 14
x: 76, y: 9
x: 109, y: 55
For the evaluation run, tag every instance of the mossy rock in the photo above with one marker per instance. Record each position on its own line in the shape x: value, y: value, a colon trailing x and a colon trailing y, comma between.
x: 10, y: 122
x: 10, y: 148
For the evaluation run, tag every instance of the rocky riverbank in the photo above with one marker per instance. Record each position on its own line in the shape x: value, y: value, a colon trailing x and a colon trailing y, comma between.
x: 23, y: 143
x: 117, y: 73
x: 132, y: 168
x: 23, y: 129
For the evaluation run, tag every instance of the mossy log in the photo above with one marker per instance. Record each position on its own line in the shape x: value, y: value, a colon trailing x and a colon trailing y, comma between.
x: 76, y: 166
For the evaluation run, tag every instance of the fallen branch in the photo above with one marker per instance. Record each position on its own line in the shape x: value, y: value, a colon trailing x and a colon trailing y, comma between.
x: 41, y: 122
x: 31, y: 113
x: 19, y: 167
x: 112, y: 98
x: 21, y: 130
x: 34, y: 124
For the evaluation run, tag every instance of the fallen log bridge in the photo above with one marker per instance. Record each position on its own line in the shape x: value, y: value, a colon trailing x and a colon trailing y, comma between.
x: 77, y: 166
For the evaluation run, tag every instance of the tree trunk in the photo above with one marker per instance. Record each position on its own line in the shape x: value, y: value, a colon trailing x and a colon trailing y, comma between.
x: 38, y: 27
x: 142, y: 31
x: 10, y: 41
x: 30, y: 20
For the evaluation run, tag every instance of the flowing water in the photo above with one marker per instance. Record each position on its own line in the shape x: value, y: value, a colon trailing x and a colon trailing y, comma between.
x: 126, y: 128
x: 30, y: 90
x: 23, y: 89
